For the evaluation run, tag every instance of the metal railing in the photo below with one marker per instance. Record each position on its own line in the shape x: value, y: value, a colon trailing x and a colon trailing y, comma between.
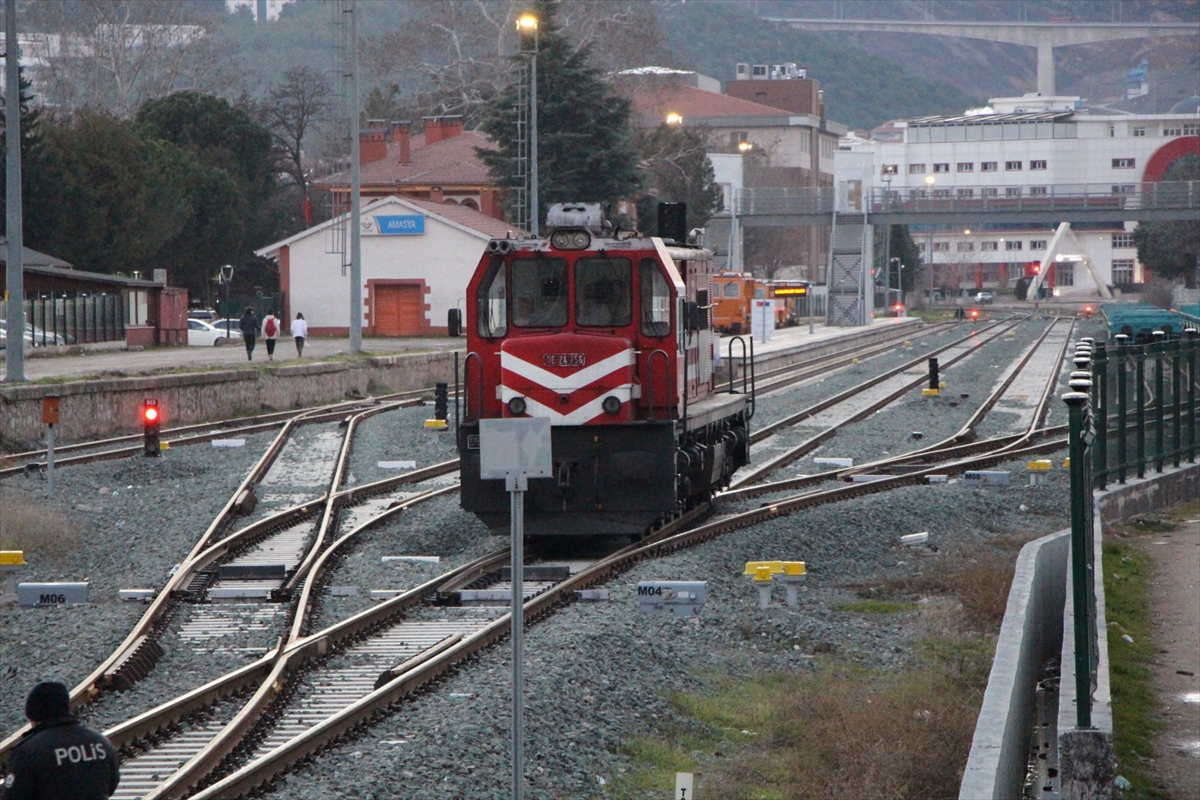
x: 55, y: 322
x: 1131, y: 408
x: 978, y: 199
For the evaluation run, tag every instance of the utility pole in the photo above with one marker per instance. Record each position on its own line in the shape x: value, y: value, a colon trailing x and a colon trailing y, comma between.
x: 15, y: 222
x: 355, y: 193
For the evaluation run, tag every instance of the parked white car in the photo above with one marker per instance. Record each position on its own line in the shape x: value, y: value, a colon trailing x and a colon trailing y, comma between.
x: 201, y: 334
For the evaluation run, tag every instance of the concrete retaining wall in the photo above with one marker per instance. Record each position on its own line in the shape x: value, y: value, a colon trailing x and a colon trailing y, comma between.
x: 112, y: 406
x: 1085, y: 756
x: 1039, y: 611
x: 1031, y: 632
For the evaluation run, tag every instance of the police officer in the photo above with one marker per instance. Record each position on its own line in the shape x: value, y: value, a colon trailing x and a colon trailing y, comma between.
x: 60, y: 759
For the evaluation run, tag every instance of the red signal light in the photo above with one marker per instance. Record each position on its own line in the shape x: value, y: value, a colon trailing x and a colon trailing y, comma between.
x: 974, y: 313
x: 150, y: 414
x: 1037, y: 268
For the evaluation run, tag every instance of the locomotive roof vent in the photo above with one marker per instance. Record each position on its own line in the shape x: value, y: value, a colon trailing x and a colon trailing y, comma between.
x: 576, y: 215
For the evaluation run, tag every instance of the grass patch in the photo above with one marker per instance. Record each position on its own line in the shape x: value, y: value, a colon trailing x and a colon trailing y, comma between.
x: 1134, y: 703
x: 34, y: 526
x: 878, y: 607
x: 839, y: 732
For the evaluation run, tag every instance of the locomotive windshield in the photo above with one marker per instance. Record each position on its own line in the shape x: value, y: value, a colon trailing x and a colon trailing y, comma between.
x: 491, y: 309
x: 539, y: 292
x: 656, y: 300
x: 603, y: 292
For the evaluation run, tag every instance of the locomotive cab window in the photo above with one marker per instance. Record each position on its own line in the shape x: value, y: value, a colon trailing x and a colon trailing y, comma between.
x: 491, y: 303
x: 603, y: 292
x: 655, y: 300
x: 732, y: 289
x: 539, y: 292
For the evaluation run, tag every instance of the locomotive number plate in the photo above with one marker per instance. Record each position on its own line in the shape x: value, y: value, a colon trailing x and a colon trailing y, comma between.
x: 564, y: 360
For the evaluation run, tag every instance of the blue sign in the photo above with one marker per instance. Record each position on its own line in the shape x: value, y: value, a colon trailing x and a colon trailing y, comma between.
x: 401, y: 224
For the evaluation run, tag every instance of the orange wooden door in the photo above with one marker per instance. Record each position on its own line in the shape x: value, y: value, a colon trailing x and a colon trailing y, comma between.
x: 398, y: 310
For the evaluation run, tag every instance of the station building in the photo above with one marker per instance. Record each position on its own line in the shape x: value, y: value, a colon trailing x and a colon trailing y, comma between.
x: 417, y: 258
x: 1027, y: 147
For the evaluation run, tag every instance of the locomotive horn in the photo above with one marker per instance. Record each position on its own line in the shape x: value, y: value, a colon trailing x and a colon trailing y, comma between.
x: 491, y: 246
x: 504, y: 247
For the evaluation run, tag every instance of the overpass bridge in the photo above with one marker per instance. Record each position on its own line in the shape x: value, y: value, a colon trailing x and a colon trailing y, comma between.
x: 1045, y: 36
x: 971, y: 205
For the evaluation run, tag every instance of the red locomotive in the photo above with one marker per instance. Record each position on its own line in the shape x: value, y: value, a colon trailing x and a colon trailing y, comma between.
x: 609, y: 336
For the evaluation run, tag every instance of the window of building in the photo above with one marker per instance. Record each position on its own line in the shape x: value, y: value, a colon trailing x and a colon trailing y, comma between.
x: 1122, y: 271
x: 918, y: 193
x: 941, y: 167
x: 966, y: 247
x: 921, y: 247
x: 966, y: 193
x: 989, y: 246
x: 1012, y: 166
x: 1014, y: 244
x: 1037, y: 244
x: 987, y: 166
x: 1064, y: 273
x: 1191, y: 128
x: 916, y: 169
x: 966, y: 166
x: 737, y: 137
x: 890, y: 169
x: 1012, y: 191
x: 1124, y: 239
x: 1139, y: 130
x: 1124, y: 163
x: 1037, y: 164
x: 941, y: 192
x: 991, y: 273
x: 1038, y: 191
x: 1172, y: 129
x: 1123, y: 188
x: 941, y: 247
x: 137, y: 307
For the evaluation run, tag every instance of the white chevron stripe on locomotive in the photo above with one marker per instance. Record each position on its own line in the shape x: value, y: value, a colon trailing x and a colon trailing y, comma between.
x: 585, y: 412
x: 561, y: 383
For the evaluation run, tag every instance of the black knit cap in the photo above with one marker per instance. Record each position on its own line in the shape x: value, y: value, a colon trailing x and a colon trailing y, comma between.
x: 47, y: 700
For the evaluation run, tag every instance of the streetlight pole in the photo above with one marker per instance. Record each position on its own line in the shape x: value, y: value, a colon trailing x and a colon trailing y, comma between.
x: 14, y: 358
x: 527, y: 25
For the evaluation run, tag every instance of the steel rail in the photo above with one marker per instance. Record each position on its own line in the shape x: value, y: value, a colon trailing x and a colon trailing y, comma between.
x: 432, y: 666
x: 797, y: 452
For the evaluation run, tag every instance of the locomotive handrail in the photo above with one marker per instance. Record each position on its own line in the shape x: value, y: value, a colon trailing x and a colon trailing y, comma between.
x: 467, y: 385
x: 666, y: 381
x: 748, y: 390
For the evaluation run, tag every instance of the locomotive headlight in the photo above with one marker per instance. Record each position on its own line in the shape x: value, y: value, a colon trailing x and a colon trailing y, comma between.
x: 611, y: 405
x: 570, y: 239
x: 516, y: 406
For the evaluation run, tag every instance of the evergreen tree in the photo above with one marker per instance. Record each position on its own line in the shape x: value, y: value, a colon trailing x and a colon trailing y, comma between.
x: 32, y: 162
x: 584, y: 151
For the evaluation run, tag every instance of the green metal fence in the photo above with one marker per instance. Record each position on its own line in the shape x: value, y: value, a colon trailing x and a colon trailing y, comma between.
x: 1131, y: 409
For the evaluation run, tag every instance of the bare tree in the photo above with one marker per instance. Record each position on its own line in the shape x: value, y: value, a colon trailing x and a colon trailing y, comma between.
x: 457, y: 52
x: 116, y: 53
x: 292, y: 107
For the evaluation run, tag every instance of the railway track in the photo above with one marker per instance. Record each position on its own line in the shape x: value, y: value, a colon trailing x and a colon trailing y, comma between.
x: 247, y: 753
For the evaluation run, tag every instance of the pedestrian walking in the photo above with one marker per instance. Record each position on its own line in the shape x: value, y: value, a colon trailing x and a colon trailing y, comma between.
x: 249, y: 327
x: 270, y: 329
x: 60, y: 758
x: 300, y: 333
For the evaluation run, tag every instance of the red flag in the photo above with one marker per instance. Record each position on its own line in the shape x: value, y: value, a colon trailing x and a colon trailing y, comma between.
x: 307, y: 210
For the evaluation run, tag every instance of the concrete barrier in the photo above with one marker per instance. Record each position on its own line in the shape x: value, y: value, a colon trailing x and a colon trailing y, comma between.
x: 1039, y: 611
x: 1031, y: 632
x: 112, y: 406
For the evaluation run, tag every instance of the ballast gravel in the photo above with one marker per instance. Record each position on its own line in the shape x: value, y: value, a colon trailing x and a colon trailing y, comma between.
x: 597, y: 673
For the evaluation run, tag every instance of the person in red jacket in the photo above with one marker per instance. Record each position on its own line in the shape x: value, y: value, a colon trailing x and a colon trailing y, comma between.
x: 60, y: 758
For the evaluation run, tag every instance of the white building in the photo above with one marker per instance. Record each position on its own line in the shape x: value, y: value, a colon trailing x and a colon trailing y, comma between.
x: 417, y: 257
x: 1023, y: 147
